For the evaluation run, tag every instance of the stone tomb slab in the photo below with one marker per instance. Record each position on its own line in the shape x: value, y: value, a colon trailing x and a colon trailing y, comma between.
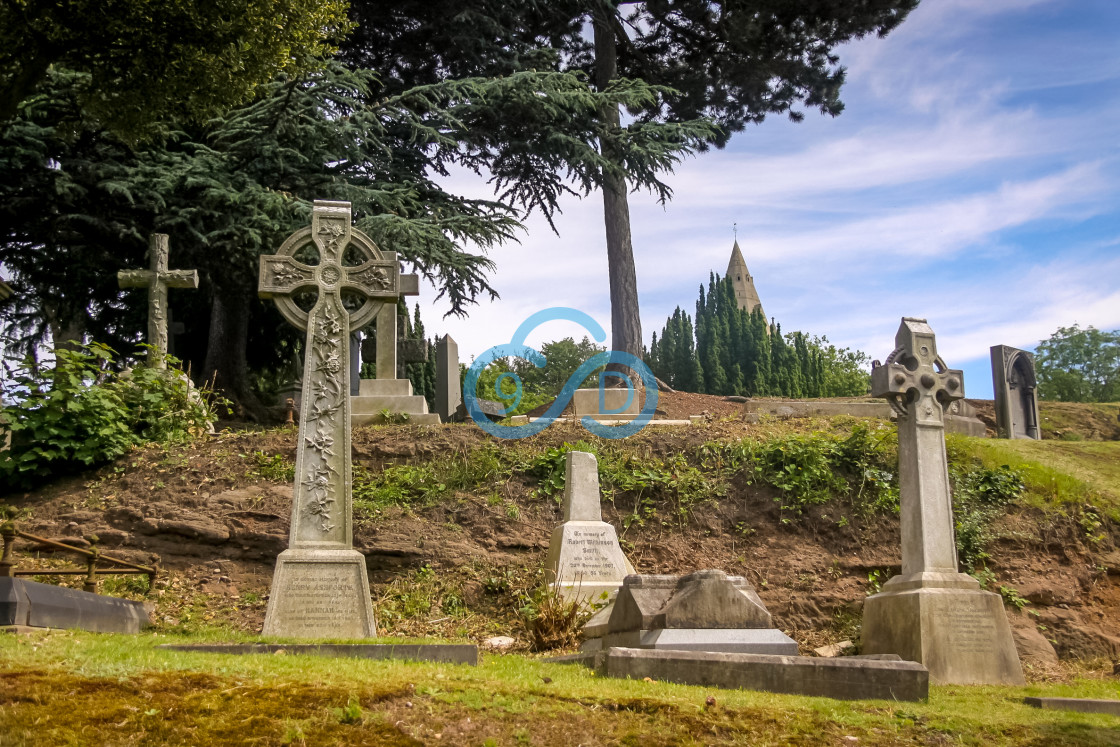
x: 36, y: 605
x: 702, y: 611
x: 844, y: 678
x: 320, y: 594
x: 447, y: 653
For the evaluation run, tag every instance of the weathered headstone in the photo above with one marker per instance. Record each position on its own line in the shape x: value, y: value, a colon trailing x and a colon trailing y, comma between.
x: 702, y: 611
x: 584, y: 557
x: 157, y: 280
x: 320, y: 588
x: 932, y: 613
x: 449, y: 385
x: 1016, y: 392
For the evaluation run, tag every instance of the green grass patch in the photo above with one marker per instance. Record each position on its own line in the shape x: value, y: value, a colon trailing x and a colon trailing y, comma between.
x: 77, y: 688
x: 1057, y: 474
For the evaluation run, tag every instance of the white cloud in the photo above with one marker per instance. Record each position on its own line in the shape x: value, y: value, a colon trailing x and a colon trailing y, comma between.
x: 950, y: 188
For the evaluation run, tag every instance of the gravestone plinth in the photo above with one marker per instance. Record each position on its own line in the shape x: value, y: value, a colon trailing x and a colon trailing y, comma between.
x: 702, y: 611
x: 1015, y: 387
x: 320, y: 588
x: 931, y: 613
x: 606, y: 404
x: 585, y: 560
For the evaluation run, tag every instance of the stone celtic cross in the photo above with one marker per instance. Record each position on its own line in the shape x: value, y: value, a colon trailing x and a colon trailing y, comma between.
x: 920, y: 388
x: 931, y: 613
x: 321, y: 514
x: 157, y: 280
x: 320, y: 588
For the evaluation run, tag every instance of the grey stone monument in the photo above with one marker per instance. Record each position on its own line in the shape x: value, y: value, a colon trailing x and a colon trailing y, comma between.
x: 1016, y: 392
x: 585, y: 560
x: 932, y: 613
x: 157, y: 280
x: 702, y: 611
x: 320, y: 588
x: 449, y: 386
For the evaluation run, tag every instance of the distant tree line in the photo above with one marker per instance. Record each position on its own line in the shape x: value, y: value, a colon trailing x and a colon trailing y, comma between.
x: 731, y: 351
x: 1079, y: 365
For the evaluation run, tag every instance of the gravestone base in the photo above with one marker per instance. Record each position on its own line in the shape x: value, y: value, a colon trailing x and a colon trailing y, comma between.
x: 320, y: 594
x: 585, y: 561
x: 378, y: 397
x: 947, y: 623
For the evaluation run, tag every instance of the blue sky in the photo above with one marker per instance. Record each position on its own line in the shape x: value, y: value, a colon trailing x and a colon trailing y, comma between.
x: 972, y: 179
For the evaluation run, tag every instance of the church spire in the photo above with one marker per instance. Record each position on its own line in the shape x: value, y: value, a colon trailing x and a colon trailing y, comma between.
x: 741, y: 281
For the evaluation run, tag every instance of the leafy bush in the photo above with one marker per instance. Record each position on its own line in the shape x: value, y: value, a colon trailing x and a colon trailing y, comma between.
x: 79, y: 414
x: 812, y: 469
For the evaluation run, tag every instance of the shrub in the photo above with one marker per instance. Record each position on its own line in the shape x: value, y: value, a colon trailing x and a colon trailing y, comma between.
x: 79, y: 414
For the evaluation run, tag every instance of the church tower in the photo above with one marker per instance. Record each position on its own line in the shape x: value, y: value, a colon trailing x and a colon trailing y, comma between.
x: 742, y: 282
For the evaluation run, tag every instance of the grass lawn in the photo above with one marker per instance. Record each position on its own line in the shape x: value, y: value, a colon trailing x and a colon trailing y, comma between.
x: 1056, y: 472
x: 72, y: 688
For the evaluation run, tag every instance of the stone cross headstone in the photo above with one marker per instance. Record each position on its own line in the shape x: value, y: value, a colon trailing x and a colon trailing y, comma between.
x: 932, y: 613
x: 320, y: 588
x: 157, y: 280
x: 1016, y: 392
x: 584, y: 557
x: 386, y: 332
x: 449, y: 385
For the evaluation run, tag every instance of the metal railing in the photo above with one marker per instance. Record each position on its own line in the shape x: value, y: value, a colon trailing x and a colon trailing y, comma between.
x: 93, y: 557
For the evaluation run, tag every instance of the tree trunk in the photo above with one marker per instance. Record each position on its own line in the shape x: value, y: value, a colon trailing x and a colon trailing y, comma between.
x: 226, y: 366
x: 67, y: 327
x: 626, y: 325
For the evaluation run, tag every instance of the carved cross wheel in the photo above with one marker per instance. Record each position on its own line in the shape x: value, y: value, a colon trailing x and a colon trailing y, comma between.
x: 376, y: 280
x: 915, y: 379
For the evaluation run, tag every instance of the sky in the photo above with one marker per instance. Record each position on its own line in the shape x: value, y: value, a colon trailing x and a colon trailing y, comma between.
x: 973, y: 179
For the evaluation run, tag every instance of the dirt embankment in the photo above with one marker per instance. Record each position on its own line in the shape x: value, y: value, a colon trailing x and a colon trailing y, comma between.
x: 215, y: 514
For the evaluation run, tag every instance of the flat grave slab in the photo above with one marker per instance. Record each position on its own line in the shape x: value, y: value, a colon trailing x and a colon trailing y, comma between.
x: 1084, y: 705
x: 446, y: 653
x: 844, y: 678
x: 35, y: 605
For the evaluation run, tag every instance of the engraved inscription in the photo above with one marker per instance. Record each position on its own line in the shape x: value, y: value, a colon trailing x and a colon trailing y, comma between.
x: 972, y: 632
x: 588, y: 557
x: 321, y: 596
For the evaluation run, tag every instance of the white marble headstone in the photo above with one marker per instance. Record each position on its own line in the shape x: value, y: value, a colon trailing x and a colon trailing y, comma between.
x: 585, y: 560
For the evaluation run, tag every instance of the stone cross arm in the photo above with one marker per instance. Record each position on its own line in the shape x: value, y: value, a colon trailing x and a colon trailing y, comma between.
x: 157, y: 280
x: 169, y: 278
x: 378, y: 279
x: 915, y: 374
